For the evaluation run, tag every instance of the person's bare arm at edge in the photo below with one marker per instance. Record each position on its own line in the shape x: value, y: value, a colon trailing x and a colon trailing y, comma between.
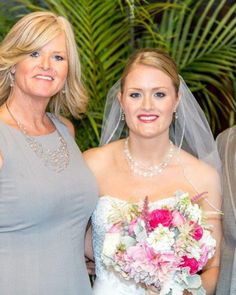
x: 212, y: 204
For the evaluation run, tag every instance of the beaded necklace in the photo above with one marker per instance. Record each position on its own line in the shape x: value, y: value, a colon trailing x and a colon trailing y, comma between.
x: 57, y: 159
x: 142, y: 170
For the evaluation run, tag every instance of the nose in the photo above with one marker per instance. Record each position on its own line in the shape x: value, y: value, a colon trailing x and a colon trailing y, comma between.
x: 45, y: 63
x: 147, y: 103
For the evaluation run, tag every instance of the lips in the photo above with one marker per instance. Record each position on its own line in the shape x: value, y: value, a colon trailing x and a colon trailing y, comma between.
x: 148, y: 118
x: 44, y: 77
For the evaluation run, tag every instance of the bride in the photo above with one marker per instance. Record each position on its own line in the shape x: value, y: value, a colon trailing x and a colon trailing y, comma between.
x: 167, y: 147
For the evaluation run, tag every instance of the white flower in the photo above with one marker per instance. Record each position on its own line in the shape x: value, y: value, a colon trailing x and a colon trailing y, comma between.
x: 173, y: 287
x: 140, y: 231
x: 161, y: 239
x: 195, y: 213
x: 194, y: 251
x: 128, y: 241
x: 182, y: 199
x: 208, y: 240
x: 111, y: 241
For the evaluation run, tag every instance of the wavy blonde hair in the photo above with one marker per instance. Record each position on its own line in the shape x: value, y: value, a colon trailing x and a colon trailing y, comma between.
x: 156, y: 58
x: 30, y: 33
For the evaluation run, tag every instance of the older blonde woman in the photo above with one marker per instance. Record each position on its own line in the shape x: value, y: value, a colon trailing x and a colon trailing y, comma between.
x: 47, y: 193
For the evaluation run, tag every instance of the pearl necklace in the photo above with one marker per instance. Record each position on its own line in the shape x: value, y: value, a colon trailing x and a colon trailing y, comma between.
x: 142, y: 170
x: 57, y: 159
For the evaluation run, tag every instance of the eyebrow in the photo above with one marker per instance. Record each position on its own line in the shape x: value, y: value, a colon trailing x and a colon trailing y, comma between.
x: 140, y: 89
x: 59, y: 51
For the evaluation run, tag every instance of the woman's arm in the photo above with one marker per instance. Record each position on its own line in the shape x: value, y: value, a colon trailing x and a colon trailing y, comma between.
x: 212, y: 205
x: 89, y: 251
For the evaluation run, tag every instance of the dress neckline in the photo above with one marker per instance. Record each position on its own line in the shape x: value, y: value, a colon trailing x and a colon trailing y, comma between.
x: 168, y: 199
x: 17, y: 131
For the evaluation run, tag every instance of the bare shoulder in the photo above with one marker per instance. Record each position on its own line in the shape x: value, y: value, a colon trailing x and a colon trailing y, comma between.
x: 94, y: 154
x: 69, y: 125
x: 203, y: 175
x: 100, y: 157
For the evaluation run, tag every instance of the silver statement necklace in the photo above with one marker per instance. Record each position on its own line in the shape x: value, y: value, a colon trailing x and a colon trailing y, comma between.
x: 57, y: 159
x: 142, y: 170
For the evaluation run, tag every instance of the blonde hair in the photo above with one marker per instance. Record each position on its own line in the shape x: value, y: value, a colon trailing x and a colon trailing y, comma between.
x: 156, y: 58
x: 30, y: 33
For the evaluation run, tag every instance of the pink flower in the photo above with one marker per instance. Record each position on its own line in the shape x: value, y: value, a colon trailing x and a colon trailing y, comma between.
x: 132, y: 226
x: 149, y: 252
x: 192, y: 263
x: 197, y: 232
x: 178, y: 218
x: 160, y: 216
x: 141, y: 252
x: 204, y: 256
x: 167, y: 263
x: 115, y: 228
x: 137, y: 252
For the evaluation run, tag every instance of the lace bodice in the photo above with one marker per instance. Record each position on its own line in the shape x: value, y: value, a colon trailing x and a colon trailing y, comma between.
x: 100, y: 226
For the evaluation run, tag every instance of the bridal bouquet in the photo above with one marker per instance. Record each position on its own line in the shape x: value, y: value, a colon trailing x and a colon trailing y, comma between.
x: 163, y: 248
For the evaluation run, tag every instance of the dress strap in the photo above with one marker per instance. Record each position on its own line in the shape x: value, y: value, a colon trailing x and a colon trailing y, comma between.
x: 61, y: 127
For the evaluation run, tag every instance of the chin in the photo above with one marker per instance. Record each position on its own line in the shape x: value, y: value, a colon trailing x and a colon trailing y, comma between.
x: 43, y: 95
x: 150, y: 133
x: 146, y: 135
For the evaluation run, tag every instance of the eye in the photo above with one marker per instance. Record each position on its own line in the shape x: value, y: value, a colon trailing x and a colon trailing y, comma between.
x: 159, y: 94
x: 135, y: 95
x: 34, y: 54
x: 58, y: 57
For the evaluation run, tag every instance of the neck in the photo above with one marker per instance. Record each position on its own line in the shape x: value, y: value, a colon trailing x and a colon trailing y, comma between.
x: 29, y: 109
x: 149, y: 151
x: 143, y: 168
x: 34, y: 120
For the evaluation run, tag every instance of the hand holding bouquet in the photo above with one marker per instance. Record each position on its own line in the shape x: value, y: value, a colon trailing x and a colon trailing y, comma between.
x: 163, y: 248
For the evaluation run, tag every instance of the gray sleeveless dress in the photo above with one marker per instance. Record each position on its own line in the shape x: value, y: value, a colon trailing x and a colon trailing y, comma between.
x: 43, y: 218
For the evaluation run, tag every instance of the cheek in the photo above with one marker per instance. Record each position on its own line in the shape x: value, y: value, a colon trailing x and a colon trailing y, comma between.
x: 64, y: 69
x: 64, y: 74
x: 21, y: 77
x: 130, y: 116
x: 21, y: 70
x: 129, y: 111
x: 169, y: 108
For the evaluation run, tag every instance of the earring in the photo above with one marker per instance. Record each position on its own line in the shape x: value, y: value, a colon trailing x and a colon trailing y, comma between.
x: 63, y: 91
x: 122, y: 116
x: 12, y: 78
x: 176, y: 115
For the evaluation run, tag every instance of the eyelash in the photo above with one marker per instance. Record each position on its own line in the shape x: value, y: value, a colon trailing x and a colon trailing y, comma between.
x: 135, y: 95
x: 36, y: 54
x: 138, y: 95
x: 59, y: 57
x: 160, y: 94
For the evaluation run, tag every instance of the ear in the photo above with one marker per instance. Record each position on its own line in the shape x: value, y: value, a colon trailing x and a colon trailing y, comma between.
x: 177, y: 101
x: 119, y: 96
x: 13, y: 70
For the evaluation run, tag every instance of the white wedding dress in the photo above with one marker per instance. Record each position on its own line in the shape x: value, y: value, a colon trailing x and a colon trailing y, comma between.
x: 108, y: 283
